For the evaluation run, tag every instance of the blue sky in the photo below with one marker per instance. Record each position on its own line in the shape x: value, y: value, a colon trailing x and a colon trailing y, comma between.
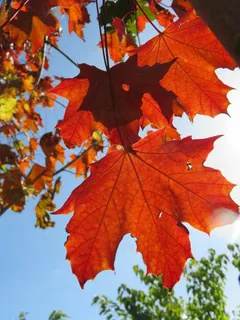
x: 36, y: 278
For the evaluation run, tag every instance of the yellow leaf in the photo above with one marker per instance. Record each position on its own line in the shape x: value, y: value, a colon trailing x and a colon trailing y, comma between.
x: 97, y: 136
x: 26, y: 107
x: 7, y: 108
x: 28, y: 83
x: 44, y: 205
x: 57, y: 185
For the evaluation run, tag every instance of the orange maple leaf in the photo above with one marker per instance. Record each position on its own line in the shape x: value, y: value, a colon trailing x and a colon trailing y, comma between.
x: 23, y: 165
x: 152, y: 115
x: 65, y: 3
x: 113, y: 98
x: 37, y: 177
x: 118, y: 45
x: 78, y: 16
x: 141, y: 22
x: 192, y: 77
x: 165, y: 18
x: 146, y: 192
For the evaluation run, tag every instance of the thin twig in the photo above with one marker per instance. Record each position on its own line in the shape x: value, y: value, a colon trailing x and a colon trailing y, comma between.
x: 107, y: 65
x: 58, y: 102
x: 14, y: 14
x: 4, y: 209
x: 40, y: 70
x: 144, y: 13
x: 105, y: 34
x: 64, y: 54
x: 101, y: 38
x: 71, y: 162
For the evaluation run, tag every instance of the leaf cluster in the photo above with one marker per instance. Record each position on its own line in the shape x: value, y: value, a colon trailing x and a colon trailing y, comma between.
x: 28, y: 30
x: 147, y: 187
x: 54, y: 315
x: 205, y: 284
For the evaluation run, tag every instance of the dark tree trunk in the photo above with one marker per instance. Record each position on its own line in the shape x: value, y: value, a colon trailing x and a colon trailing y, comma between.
x: 223, y: 17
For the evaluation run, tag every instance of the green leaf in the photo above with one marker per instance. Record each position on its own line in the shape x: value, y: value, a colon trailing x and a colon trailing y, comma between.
x: 8, y: 106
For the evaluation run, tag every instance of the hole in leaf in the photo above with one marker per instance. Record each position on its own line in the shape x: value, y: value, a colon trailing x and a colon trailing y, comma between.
x: 126, y: 87
x: 189, y: 165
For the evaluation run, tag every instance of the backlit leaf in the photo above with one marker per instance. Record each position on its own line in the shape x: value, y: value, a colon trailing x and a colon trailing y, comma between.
x: 147, y: 192
x: 37, y: 177
x: 11, y: 191
x: 44, y: 205
x: 78, y: 17
x: 192, y: 77
x: 8, y: 106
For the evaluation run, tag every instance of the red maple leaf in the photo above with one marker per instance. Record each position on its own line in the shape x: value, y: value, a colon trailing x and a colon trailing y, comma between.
x: 78, y: 16
x: 113, y: 98
x: 192, y: 77
x: 147, y: 192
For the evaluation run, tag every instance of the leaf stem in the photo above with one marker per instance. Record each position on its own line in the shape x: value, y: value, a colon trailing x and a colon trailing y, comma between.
x: 144, y: 13
x: 60, y: 51
x: 105, y: 35
x: 58, y: 102
x: 100, y: 33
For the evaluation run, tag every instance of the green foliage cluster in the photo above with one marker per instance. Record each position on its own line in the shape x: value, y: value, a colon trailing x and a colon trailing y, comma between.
x: 205, y: 283
x: 127, y: 11
x: 55, y: 315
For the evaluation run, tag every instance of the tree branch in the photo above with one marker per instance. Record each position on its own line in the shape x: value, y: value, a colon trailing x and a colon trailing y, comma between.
x: 74, y: 160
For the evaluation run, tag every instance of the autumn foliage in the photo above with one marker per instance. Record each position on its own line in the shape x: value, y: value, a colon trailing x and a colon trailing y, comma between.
x: 147, y: 187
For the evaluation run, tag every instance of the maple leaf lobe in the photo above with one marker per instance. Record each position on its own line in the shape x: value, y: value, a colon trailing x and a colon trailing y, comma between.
x: 146, y: 193
x: 192, y: 77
